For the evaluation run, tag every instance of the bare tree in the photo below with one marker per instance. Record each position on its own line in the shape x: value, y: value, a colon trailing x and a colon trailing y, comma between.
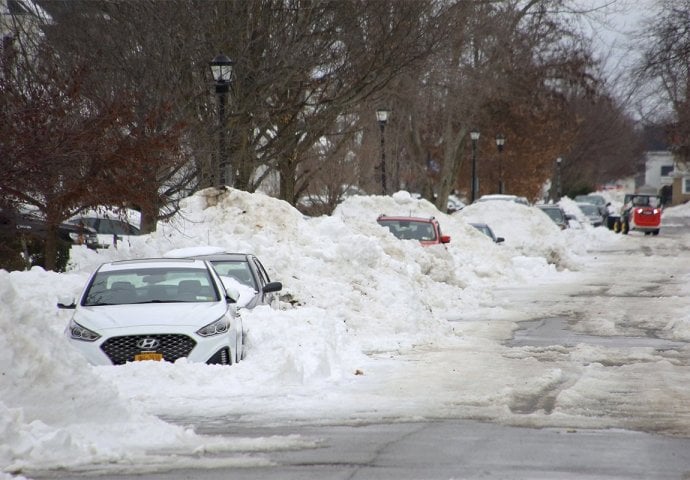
x: 666, y: 65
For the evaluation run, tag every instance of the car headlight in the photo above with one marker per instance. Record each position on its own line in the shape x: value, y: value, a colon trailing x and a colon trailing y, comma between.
x: 77, y: 332
x: 220, y: 326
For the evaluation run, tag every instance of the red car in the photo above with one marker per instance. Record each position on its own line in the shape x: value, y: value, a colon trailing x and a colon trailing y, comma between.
x: 426, y: 230
x: 640, y: 212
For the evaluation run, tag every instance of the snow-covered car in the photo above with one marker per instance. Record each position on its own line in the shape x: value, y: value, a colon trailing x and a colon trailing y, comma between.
x: 640, y: 212
x: 454, y: 204
x: 492, y: 197
x: 487, y: 230
x: 156, y: 309
x: 596, y: 200
x: 248, y: 271
x: 592, y: 213
x: 426, y: 230
x: 555, y: 213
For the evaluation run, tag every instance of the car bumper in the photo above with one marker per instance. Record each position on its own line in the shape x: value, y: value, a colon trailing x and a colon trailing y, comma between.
x: 202, y: 348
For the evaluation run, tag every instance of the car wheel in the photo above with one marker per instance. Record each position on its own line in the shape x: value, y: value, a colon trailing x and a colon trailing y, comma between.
x: 655, y: 232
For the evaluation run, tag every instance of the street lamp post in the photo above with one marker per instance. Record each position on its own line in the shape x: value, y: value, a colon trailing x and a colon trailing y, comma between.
x: 500, y: 141
x: 382, y: 118
x: 559, y: 160
x: 474, y: 135
x: 221, y: 68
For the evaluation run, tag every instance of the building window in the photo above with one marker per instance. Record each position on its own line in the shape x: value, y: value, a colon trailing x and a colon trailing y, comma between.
x: 666, y: 170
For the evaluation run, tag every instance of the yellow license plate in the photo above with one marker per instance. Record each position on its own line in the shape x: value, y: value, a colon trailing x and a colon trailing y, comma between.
x: 148, y: 356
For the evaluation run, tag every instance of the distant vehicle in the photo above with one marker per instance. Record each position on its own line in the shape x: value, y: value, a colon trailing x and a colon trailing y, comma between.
x: 555, y: 213
x: 486, y: 230
x: 640, y: 212
x: 249, y: 271
x: 156, y: 309
x: 426, y: 230
x: 25, y: 235
x: 592, y: 213
x: 597, y: 200
x: 502, y: 197
x: 111, y: 231
x: 454, y: 204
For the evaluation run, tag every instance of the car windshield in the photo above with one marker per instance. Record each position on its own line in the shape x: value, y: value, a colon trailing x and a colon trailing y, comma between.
x: 483, y: 228
x: 593, y: 199
x: 237, y: 269
x: 150, y: 285
x: 410, y: 229
x: 555, y: 213
x: 589, y: 209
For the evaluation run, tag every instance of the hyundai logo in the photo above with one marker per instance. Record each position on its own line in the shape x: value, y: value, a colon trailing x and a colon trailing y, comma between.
x: 148, y: 343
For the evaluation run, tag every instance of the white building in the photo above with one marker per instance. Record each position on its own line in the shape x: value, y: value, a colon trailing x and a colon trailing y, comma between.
x: 659, y: 167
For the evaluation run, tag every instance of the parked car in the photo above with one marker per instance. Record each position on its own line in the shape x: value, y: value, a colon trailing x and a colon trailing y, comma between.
x: 597, y: 200
x: 640, y: 212
x: 486, y: 230
x: 111, y: 231
x: 249, y: 271
x: 592, y: 213
x: 23, y: 237
x: 454, y: 204
x: 426, y: 230
x: 556, y: 214
x: 502, y: 197
x: 156, y: 309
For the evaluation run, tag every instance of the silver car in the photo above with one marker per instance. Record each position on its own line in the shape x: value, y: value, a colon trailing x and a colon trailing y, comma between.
x: 249, y: 271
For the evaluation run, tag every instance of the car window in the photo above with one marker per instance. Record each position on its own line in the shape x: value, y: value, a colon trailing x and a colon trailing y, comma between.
x: 589, y: 209
x: 151, y: 285
x: 410, y: 229
x: 239, y: 270
x: 262, y: 271
x: 555, y: 214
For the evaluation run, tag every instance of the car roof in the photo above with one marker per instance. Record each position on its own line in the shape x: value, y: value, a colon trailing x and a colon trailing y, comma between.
x: 153, y: 263
x: 231, y: 257
x: 498, y: 196
x: 408, y: 219
x: 547, y: 205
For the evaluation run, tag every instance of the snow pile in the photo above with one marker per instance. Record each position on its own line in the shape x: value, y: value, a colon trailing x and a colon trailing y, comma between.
x: 351, y: 290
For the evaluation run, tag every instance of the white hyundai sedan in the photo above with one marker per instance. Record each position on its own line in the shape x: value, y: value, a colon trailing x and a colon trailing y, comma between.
x: 156, y: 309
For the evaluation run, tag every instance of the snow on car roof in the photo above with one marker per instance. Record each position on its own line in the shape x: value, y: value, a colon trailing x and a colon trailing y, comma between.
x: 153, y: 262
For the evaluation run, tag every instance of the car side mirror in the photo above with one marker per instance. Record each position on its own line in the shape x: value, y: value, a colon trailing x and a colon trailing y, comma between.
x: 66, y: 302
x: 445, y: 238
x: 500, y: 239
x: 273, y: 287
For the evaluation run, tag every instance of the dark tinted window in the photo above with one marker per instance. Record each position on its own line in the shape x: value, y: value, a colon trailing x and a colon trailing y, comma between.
x: 410, y: 229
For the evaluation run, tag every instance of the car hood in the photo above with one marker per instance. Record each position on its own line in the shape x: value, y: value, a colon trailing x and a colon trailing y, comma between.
x: 178, y: 315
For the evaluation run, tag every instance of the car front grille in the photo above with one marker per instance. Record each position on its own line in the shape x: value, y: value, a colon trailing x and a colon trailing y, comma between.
x: 122, y: 349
